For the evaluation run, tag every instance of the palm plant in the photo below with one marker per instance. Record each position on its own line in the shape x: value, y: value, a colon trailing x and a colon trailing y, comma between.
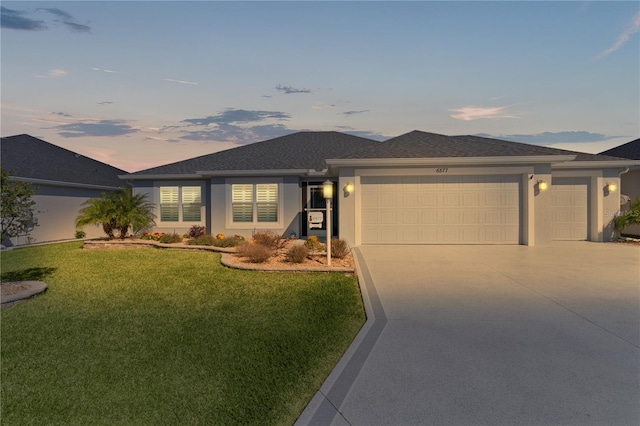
x: 119, y: 210
x: 631, y: 217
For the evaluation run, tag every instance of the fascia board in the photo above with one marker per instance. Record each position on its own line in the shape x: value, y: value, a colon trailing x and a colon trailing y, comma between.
x: 450, y: 161
x: 597, y: 164
x: 64, y: 184
x: 160, y: 177
x: 233, y: 173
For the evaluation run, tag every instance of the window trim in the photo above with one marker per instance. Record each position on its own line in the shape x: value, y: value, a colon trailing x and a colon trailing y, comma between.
x: 180, y: 185
x: 230, y: 224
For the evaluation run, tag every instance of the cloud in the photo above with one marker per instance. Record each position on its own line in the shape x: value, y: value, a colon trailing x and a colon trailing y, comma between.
x: 355, y: 112
x: 289, y: 90
x: 632, y: 28
x: 180, y: 81
x: 103, y: 70
x: 237, y: 116
x: 19, y: 20
x: 105, y: 103
x: 267, y: 96
x: 95, y: 128
x: 553, y: 137
x: 15, y: 20
x: 476, y: 113
x: 239, y: 135
x: 62, y: 114
x: 319, y: 105
x: 54, y: 73
x: 153, y: 138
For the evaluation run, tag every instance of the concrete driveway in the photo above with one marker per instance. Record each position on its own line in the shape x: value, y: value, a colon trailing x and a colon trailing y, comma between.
x: 490, y: 335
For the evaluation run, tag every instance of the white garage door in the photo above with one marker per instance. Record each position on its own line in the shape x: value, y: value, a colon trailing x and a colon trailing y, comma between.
x: 440, y: 210
x: 570, y: 217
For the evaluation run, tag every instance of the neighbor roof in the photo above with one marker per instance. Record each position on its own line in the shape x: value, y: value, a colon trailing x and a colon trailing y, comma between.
x: 28, y: 157
x: 418, y: 144
x: 302, y: 150
x: 630, y: 150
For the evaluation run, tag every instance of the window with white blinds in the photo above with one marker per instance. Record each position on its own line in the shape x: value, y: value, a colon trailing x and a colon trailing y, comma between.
x: 191, y: 203
x: 260, y: 198
x: 180, y: 203
x: 169, y: 210
x: 242, y: 202
x: 267, y: 202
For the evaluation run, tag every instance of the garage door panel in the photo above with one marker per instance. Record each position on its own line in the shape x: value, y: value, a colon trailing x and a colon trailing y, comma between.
x: 570, y: 208
x: 441, y: 209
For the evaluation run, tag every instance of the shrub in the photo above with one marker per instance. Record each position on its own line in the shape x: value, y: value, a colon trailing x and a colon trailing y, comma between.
x: 269, y: 239
x: 297, y: 253
x: 208, y: 240
x: 80, y: 234
x: 256, y: 253
x: 339, y: 248
x: 170, y: 238
x: 631, y: 217
x: 220, y: 236
x: 202, y: 240
x: 152, y: 236
x: 313, y: 244
x: 196, y: 231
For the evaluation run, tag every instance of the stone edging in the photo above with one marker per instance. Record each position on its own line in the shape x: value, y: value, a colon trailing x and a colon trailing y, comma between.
x: 228, y: 260
x: 105, y: 244
x: 36, y: 287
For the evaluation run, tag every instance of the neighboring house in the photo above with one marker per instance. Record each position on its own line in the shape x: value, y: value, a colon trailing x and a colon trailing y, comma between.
x: 630, y: 181
x: 63, y: 179
x: 417, y: 188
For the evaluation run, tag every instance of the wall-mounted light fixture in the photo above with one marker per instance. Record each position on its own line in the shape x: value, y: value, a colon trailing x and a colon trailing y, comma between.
x: 542, y: 185
x: 348, y: 188
x: 611, y: 187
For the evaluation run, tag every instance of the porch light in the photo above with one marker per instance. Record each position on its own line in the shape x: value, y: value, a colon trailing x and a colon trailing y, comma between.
x: 327, y: 192
x: 611, y: 187
x: 543, y: 185
x: 348, y: 188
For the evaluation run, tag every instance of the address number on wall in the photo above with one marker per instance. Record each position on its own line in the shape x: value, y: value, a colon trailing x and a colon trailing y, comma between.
x: 442, y: 170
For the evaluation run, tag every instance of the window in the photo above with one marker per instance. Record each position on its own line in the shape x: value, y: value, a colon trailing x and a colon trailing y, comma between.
x: 260, y: 198
x: 176, y: 202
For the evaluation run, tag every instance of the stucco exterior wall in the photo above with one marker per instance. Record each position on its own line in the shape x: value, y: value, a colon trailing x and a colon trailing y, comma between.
x: 56, y: 210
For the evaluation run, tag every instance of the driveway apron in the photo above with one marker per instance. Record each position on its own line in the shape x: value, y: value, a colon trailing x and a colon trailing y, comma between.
x: 491, y: 335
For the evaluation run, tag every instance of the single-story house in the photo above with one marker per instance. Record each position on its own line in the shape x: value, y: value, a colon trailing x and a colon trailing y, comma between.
x: 417, y: 188
x: 63, y: 180
x: 630, y: 181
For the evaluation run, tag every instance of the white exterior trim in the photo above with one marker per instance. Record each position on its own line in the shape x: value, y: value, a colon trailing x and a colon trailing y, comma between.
x: 449, y: 161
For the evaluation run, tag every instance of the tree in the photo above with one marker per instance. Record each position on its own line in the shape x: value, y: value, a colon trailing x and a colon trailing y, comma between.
x: 631, y: 217
x: 119, y: 210
x: 17, y: 207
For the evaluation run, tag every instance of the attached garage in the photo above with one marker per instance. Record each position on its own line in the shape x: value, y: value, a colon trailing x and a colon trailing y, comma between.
x: 570, y: 208
x: 441, y: 209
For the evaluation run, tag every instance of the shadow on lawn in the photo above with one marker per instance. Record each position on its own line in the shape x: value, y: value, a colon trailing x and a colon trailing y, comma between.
x: 29, y: 274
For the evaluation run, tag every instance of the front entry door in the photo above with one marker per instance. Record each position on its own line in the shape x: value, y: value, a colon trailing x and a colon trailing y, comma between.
x: 315, y: 200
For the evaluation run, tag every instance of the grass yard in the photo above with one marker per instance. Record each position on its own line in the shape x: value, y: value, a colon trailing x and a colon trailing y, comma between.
x: 146, y: 336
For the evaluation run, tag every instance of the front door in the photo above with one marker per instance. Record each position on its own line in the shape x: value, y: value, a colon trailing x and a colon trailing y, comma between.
x: 316, y: 204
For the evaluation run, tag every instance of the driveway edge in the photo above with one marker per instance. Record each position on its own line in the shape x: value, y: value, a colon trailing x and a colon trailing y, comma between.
x: 326, y: 403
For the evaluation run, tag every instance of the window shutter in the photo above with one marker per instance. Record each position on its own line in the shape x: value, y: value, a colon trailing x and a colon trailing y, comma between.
x: 191, y: 203
x: 267, y: 202
x: 169, y: 203
x: 242, y: 202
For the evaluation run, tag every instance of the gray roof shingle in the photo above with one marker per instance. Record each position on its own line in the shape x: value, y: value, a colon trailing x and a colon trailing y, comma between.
x: 29, y: 157
x: 418, y: 144
x: 630, y: 150
x: 302, y: 150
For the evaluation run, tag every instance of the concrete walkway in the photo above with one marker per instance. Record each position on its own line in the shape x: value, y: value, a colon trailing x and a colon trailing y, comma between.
x: 491, y: 335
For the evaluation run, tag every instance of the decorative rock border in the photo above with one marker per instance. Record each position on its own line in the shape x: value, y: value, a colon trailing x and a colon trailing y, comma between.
x: 35, y: 288
x: 228, y: 260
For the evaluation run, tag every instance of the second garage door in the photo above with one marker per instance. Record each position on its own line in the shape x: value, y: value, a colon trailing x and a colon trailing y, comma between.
x: 440, y: 209
x: 570, y: 214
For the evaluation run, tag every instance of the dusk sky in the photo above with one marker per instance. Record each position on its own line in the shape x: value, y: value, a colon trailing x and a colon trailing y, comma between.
x: 139, y: 84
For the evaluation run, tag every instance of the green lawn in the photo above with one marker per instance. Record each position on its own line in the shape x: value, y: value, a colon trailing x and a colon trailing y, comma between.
x: 147, y: 336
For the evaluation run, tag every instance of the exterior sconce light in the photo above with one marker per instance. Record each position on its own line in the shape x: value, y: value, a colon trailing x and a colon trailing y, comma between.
x: 543, y: 185
x: 348, y: 188
x: 611, y: 187
x: 327, y: 192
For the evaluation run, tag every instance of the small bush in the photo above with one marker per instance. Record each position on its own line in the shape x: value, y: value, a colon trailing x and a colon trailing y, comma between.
x: 297, y: 253
x: 220, y: 236
x: 255, y: 253
x: 170, y: 239
x: 269, y: 239
x: 339, y: 248
x: 196, y: 231
x: 313, y: 244
x: 202, y: 240
x: 80, y: 234
x: 152, y: 236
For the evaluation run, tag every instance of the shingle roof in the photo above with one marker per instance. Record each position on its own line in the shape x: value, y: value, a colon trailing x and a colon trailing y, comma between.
x: 29, y: 157
x: 302, y: 150
x: 418, y: 144
x: 630, y: 150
